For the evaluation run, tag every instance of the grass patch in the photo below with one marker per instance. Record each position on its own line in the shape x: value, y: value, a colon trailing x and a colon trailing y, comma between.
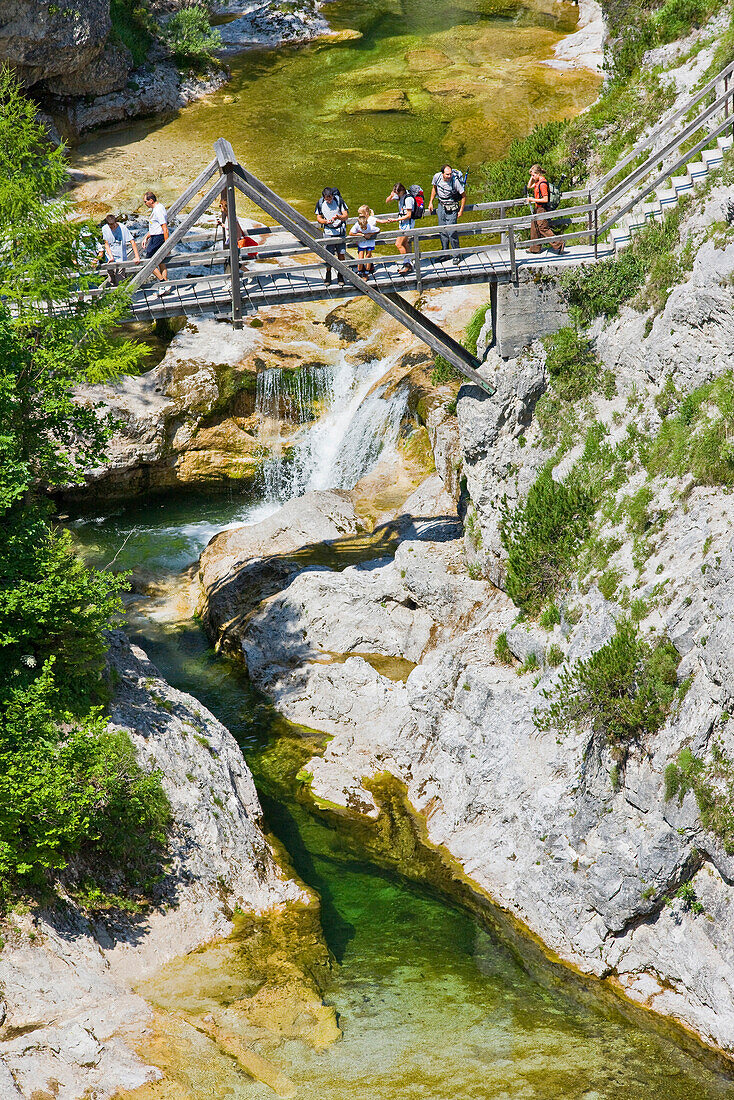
x: 622, y: 693
x: 712, y: 784
x: 502, y: 650
x: 699, y: 438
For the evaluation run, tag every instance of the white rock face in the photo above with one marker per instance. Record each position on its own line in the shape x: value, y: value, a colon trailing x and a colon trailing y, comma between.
x: 71, y: 1015
x: 584, y: 49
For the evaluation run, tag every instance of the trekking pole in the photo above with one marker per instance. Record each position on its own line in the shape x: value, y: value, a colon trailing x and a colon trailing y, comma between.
x: 214, y: 247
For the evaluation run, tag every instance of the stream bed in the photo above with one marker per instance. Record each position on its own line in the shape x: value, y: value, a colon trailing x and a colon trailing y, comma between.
x: 432, y: 1005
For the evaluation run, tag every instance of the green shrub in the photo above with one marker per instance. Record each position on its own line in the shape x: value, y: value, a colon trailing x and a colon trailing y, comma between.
x: 712, y: 784
x: 601, y: 289
x: 507, y: 178
x: 622, y: 693
x: 687, y: 894
x: 549, y: 617
x: 190, y: 37
x: 132, y: 27
x: 555, y: 655
x: 530, y: 664
x: 541, y: 537
x: 571, y: 363
x: 502, y: 650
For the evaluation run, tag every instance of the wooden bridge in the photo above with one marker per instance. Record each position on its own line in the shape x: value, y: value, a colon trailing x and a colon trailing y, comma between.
x: 600, y: 220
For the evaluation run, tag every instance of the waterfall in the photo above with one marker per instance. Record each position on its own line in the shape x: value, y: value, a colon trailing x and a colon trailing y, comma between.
x: 335, y: 450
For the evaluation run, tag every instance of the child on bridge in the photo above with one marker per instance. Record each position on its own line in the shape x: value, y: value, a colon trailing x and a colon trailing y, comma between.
x: 366, y: 228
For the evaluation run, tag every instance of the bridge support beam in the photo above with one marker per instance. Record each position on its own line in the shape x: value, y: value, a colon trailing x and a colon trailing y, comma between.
x: 526, y: 309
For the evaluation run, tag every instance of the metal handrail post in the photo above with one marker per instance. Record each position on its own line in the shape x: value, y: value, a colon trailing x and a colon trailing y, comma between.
x: 417, y: 261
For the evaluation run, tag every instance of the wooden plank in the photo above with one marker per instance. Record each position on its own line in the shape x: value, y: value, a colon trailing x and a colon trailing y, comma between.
x: 234, y: 252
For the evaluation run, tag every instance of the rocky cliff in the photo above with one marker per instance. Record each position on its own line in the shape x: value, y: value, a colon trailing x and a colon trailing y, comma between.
x: 619, y: 873
x: 70, y: 1021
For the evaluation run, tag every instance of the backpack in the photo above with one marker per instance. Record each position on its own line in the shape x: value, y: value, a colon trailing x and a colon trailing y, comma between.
x: 416, y: 192
x: 457, y: 176
x: 554, y: 195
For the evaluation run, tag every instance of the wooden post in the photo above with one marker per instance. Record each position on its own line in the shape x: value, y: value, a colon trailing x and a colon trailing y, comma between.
x: 417, y: 260
x: 511, y: 242
x: 590, y: 223
x: 234, y: 251
x: 503, y: 211
x: 596, y: 233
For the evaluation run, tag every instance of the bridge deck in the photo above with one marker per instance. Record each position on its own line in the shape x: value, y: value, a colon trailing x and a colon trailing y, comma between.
x: 268, y: 285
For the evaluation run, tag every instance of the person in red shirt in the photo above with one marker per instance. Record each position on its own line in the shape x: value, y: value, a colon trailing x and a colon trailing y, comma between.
x: 540, y: 227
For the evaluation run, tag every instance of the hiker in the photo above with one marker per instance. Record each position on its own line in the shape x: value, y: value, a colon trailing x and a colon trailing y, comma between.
x: 366, y: 228
x: 541, y: 227
x: 156, y: 235
x: 447, y: 188
x: 405, y: 220
x: 116, y: 239
x: 244, y: 240
x: 331, y: 214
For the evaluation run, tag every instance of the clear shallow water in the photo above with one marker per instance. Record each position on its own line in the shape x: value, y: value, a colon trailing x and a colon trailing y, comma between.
x: 432, y: 1006
x: 462, y: 79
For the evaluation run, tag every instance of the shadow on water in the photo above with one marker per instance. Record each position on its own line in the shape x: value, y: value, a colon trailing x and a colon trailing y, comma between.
x: 283, y: 823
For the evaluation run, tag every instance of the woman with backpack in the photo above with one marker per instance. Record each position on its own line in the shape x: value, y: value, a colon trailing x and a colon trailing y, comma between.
x: 541, y: 227
x: 447, y: 188
x: 405, y: 220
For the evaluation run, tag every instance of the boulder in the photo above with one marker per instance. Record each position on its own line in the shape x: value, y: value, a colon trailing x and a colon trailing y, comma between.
x: 45, y: 41
x: 241, y: 566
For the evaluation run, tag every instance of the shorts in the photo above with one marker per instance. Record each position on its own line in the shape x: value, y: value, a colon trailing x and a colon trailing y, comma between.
x: 365, y: 246
x: 154, y: 244
x: 337, y: 245
x: 403, y: 227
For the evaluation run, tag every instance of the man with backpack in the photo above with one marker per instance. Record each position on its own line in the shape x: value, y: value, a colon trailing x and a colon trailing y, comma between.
x: 541, y: 200
x: 331, y: 214
x: 447, y: 187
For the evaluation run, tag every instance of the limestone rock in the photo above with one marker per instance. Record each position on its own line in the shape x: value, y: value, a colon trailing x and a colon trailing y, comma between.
x: 241, y: 566
x: 43, y: 41
x: 72, y: 1016
x: 106, y: 73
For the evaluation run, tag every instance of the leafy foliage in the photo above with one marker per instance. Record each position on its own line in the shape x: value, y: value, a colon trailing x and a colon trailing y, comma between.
x: 623, y: 692
x: 507, y: 178
x: 67, y: 786
x: 636, y: 26
x: 600, y: 290
x: 712, y: 783
x: 541, y: 537
x: 132, y: 27
x: 189, y: 35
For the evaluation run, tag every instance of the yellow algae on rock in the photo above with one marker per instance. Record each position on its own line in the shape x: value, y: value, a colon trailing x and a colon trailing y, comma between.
x: 392, y: 99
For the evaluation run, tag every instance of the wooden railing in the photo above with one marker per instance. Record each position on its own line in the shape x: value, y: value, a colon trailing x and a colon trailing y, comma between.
x: 605, y: 202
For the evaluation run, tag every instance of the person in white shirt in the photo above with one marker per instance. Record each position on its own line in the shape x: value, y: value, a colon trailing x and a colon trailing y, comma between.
x: 116, y: 240
x: 156, y: 235
x: 366, y: 228
x: 405, y: 220
x: 331, y: 214
x: 447, y: 187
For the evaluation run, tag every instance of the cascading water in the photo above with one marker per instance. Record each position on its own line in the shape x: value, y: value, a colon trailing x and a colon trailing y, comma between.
x: 357, y: 424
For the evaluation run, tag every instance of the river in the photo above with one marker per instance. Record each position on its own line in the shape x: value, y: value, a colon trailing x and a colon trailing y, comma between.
x: 432, y: 1003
